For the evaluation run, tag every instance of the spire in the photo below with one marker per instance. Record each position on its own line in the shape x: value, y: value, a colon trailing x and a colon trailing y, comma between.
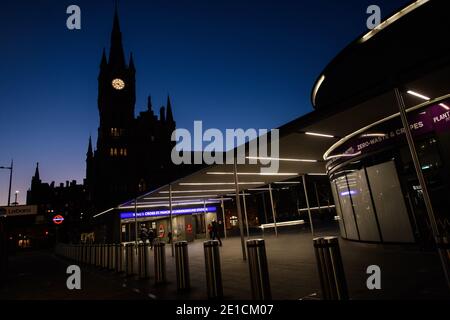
x: 104, y: 62
x: 169, y: 115
x: 131, y: 64
x: 149, y: 104
x: 36, y: 173
x: 162, y: 115
x: 89, y: 153
x: 116, y: 53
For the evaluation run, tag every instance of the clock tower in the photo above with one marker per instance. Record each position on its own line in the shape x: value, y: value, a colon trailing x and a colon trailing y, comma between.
x: 114, y: 165
x: 132, y: 153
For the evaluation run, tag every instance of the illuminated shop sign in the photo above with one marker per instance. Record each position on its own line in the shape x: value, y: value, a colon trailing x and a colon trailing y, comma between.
x: 159, y: 213
x: 435, y: 118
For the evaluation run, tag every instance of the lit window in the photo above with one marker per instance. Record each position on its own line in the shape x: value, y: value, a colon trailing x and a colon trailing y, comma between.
x: 111, y: 152
x: 115, y: 132
x: 233, y: 221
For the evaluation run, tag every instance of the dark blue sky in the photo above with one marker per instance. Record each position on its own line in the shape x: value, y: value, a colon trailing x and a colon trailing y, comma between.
x: 232, y: 64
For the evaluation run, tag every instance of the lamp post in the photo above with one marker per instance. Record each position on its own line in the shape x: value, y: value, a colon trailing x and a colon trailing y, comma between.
x: 15, y: 198
x: 10, y: 168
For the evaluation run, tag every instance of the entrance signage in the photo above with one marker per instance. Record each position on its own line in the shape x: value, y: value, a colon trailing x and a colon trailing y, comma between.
x: 160, y: 213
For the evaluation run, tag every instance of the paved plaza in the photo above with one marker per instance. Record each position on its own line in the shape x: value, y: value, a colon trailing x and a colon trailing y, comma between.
x: 407, y: 273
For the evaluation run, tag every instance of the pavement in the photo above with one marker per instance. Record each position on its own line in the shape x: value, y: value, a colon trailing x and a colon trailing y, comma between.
x: 406, y: 273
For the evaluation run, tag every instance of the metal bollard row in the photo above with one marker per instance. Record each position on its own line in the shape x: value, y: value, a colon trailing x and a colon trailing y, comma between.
x: 331, y: 269
x: 160, y: 262
x: 214, y: 285
x: 144, y: 262
x: 182, y: 265
x: 133, y: 260
x: 258, y: 270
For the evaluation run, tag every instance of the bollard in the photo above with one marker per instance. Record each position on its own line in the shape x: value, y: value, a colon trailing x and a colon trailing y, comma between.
x: 92, y: 258
x: 130, y: 259
x: 330, y: 268
x: 111, y: 256
x: 123, y: 258
x: 97, y: 255
x: 258, y: 269
x: 105, y: 256
x: 84, y: 253
x: 102, y: 254
x: 182, y: 265
x: 117, y: 260
x: 144, y: 262
x: 159, y: 249
x: 213, y: 271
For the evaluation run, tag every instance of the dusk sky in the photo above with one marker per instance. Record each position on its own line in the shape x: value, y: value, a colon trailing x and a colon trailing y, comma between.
x: 233, y: 64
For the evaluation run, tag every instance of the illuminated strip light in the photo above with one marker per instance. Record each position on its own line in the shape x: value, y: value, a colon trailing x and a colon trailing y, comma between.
x: 316, y: 89
x: 288, y: 182
x: 392, y: 19
x: 369, y: 135
x: 158, y: 213
x: 101, y: 213
x: 282, y: 159
x: 217, y: 183
x: 346, y: 193
x: 198, y: 191
x: 392, y: 116
x: 241, y: 194
x: 316, y: 208
x: 446, y: 107
x: 344, y: 155
x: 418, y: 95
x: 319, y: 135
x: 254, y: 173
x: 144, y: 206
x: 317, y: 174
x: 181, y: 197
x: 282, y: 224
x: 259, y: 189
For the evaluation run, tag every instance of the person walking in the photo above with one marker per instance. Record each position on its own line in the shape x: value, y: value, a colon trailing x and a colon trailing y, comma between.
x: 210, y: 231
x: 151, y: 237
x: 215, y: 232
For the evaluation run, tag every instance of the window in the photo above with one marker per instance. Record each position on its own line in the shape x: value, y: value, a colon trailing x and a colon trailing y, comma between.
x: 116, y: 132
x: 122, y: 152
x: 233, y: 221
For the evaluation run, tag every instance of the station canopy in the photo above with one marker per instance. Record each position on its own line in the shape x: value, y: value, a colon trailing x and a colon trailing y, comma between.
x: 304, y: 141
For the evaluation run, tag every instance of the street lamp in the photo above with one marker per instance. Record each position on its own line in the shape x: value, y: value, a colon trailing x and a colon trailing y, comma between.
x: 15, y: 199
x: 10, y: 180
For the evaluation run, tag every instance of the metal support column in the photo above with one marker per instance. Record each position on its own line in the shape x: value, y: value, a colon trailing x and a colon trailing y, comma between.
x: 273, y: 210
x: 245, y: 213
x: 317, y: 198
x: 171, y: 222
x: 426, y: 197
x: 238, y: 207
x: 307, y: 205
x: 222, y: 205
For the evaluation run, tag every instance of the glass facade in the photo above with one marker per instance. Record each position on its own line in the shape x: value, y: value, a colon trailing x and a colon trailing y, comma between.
x: 377, y: 194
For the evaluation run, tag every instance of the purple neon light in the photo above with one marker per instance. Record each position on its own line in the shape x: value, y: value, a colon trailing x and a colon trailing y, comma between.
x: 346, y: 193
x: 159, y: 213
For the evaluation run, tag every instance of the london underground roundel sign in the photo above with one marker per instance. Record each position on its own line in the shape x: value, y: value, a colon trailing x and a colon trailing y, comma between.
x: 59, y: 219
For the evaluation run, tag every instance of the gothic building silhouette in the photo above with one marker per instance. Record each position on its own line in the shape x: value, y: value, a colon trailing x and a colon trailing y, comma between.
x: 132, y: 154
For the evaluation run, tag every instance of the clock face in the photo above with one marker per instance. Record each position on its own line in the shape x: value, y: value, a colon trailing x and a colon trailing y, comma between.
x: 118, y: 84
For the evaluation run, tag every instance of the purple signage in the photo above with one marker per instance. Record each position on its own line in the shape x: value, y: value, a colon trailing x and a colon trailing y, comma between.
x: 434, y: 118
x: 159, y: 213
